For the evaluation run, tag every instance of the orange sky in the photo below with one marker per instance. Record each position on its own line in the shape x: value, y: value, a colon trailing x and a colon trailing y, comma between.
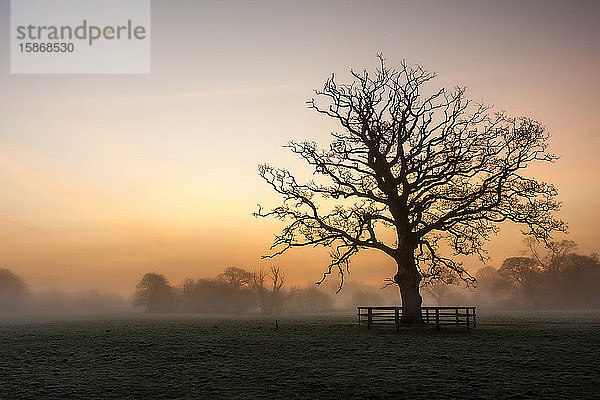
x: 104, y: 178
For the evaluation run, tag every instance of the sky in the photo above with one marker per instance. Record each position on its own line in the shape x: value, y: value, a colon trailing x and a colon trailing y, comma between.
x: 106, y: 177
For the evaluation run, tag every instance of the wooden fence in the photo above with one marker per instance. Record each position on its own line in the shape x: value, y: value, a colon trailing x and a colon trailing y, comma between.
x: 431, y: 315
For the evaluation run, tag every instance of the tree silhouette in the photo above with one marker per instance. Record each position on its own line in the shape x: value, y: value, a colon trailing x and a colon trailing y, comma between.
x: 237, y: 288
x: 407, y: 171
x: 310, y: 300
x: 554, y: 275
x: 13, y: 291
x: 439, y: 288
x: 553, y: 256
x: 235, y: 277
x: 492, y: 281
x: 270, y: 294
x: 155, y: 293
x: 520, y: 271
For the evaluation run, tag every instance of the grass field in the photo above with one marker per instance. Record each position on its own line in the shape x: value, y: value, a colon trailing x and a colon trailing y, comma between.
x: 510, y: 355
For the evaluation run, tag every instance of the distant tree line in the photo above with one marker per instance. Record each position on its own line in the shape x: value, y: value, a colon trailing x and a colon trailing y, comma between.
x: 15, y: 297
x: 552, y: 276
x: 234, y: 291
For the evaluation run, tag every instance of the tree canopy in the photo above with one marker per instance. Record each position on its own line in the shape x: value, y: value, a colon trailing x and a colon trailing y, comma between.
x: 409, y: 169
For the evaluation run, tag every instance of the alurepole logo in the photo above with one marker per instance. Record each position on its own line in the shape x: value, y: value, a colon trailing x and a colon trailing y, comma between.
x: 80, y: 36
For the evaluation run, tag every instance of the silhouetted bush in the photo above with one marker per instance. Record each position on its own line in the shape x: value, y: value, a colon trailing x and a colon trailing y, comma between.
x: 13, y: 292
x: 309, y: 300
x: 156, y: 294
x: 215, y: 296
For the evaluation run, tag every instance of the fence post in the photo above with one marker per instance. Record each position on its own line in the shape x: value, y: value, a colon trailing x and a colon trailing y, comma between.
x: 369, y: 317
x: 397, y: 319
x: 437, y: 318
x: 474, y: 318
x: 457, y: 320
x: 358, y: 313
x: 468, y: 319
x: 427, y: 315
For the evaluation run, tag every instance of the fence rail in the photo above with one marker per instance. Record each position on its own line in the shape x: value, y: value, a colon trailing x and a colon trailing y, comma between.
x: 431, y: 315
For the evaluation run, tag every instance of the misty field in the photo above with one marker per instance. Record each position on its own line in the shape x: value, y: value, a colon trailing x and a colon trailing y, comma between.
x: 509, y: 355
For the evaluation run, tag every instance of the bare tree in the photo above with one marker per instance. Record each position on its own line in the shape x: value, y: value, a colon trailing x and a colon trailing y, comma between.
x: 279, y: 296
x: 553, y: 256
x: 520, y: 271
x: 277, y: 277
x: 258, y: 284
x: 439, y: 288
x: 271, y: 298
x: 258, y: 278
x: 407, y: 171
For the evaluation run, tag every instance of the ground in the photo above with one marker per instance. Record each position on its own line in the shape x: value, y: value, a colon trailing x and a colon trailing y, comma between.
x: 518, y: 355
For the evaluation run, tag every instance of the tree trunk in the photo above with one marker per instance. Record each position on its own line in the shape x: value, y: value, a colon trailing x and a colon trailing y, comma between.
x: 408, y: 280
